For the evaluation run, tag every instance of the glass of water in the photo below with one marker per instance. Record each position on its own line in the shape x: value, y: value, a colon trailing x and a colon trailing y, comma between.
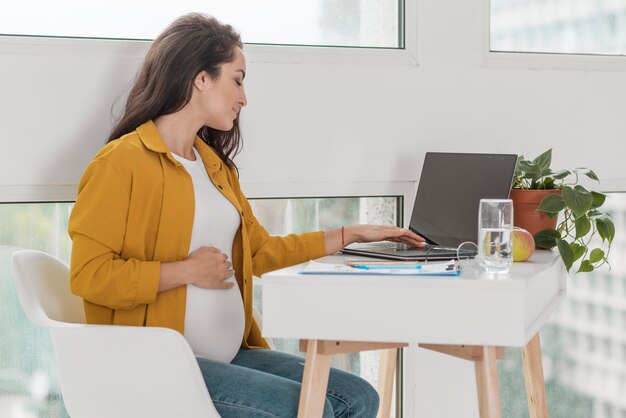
x: 495, y: 230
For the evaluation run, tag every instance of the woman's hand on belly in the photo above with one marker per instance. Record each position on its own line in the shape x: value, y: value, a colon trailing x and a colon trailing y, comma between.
x: 207, y: 268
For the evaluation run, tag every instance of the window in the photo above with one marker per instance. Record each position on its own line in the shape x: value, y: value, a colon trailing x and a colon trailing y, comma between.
x: 607, y: 348
x: 609, y: 284
x: 591, y: 312
x: 351, y: 23
x: 29, y: 385
x: 28, y: 381
x: 608, y: 316
x: 580, y: 353
x: 591, y: 343
x: 596, y: 27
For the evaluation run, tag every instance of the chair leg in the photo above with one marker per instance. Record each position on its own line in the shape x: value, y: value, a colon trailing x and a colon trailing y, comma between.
x: 487, y: 384
x: 533, y: 376
x: 386, y: 376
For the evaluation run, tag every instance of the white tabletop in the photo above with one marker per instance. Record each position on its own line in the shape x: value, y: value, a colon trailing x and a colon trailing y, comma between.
x: 471, y: 309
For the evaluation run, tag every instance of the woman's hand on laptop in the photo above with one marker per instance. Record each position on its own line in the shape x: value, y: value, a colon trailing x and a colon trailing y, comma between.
x: 338, y: 238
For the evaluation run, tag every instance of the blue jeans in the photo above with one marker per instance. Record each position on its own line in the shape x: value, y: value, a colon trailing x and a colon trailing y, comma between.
x: 266, y: 383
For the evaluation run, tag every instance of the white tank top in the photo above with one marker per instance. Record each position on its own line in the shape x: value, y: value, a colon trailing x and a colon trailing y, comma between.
x: 214, y: 318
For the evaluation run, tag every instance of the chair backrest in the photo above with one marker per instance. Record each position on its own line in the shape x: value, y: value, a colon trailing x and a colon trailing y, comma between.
x: 43, y: 288
x: 109, y: 370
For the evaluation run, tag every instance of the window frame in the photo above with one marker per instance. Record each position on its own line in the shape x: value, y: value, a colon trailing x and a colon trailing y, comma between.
x: 36, y: 193
x: 544, y: 60
x: 253, y: 190
x: 286, y: 190
x: 256, y: 53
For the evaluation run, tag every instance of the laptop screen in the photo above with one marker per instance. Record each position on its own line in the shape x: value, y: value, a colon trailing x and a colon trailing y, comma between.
x: 450, y: 188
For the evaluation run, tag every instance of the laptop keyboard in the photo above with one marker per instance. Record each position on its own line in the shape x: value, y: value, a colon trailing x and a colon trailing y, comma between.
x: 398, y: 249
x: 400, y: 246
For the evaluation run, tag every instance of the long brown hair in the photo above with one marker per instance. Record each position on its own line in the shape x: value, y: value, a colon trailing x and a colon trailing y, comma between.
x: 191, y: 44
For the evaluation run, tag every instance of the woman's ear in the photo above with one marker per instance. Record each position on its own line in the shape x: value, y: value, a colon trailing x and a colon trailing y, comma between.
x: 202, y: 80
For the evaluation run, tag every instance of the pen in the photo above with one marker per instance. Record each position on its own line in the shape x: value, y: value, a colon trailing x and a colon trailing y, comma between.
x: 388, y: 266
x: 369, y: 263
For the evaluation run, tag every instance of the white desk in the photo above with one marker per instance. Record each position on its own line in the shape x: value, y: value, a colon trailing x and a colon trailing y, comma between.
x: 440, y: 311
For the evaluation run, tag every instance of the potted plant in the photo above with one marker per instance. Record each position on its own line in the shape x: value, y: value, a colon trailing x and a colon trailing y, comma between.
x: 559, y: 192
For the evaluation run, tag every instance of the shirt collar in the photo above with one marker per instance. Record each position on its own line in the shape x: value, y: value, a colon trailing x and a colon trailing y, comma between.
x: 211, y: 160
x: 149, y: 135
x: 151, y: 138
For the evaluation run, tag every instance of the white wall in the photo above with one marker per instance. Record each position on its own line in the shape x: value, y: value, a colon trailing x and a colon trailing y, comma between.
x: 327, y: 122
x: 333, y: 128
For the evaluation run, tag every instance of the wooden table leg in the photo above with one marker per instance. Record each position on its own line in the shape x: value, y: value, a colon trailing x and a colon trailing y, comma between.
x: 533, y: 375
x: 487, y: 384
x: 314, y: 381
x: 386, y: 374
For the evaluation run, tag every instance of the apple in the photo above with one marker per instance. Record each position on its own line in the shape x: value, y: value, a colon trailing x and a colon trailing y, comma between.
x: 523, y: 244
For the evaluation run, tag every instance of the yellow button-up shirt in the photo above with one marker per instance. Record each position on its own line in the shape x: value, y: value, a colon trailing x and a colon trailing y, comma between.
x: 135, y: 209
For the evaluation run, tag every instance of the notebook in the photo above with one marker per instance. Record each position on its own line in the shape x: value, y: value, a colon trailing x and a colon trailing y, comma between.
x: 445, y: 211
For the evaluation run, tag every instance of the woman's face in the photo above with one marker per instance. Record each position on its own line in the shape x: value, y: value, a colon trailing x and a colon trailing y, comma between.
x: 222, y: 99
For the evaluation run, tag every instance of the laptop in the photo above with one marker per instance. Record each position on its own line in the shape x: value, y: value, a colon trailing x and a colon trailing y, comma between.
x: 445, y: 212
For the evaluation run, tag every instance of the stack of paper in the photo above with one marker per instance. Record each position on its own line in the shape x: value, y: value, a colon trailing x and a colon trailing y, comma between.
x: 450, y: 268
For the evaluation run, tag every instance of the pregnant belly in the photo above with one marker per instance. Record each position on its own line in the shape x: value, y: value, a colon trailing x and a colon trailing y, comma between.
x: 214, y: 322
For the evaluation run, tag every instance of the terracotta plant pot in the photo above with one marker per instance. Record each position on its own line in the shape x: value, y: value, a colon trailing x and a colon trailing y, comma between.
x: 525, y: 214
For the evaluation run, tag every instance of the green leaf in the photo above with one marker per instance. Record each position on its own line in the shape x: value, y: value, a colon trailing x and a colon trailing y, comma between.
x: 546, y: 238
x: 566, y: 253
x: 585, y: 267
x: 596, y: 255
x: 596, y: 214
x: 529, y: 169
x: 551, y: 215
x: 548, y: 183
x: 560, y: 175
x: 598, y: 199
x: 606, y: 229
x: 583, y: 226
x: 578, y: 249
x: 552, y: 203
x: 543, y: 161
x: 587, y: 172
x: 578, y: 199
x: 525, y: 165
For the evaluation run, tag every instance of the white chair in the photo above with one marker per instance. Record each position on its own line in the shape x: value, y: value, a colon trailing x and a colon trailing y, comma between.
x: 109, y: 371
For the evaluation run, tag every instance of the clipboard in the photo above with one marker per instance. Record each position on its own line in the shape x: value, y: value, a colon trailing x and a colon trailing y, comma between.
x: 449, y: 269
